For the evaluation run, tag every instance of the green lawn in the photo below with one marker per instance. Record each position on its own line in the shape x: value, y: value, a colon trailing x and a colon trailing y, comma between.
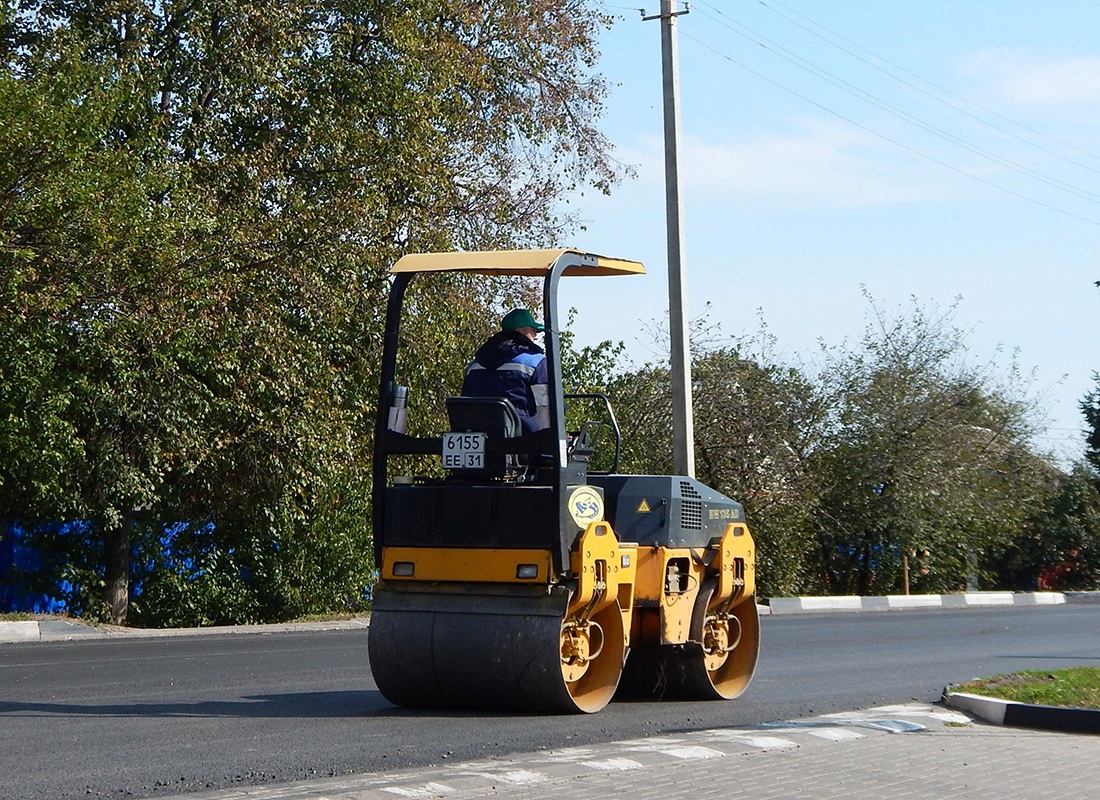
x: 1076, y: 687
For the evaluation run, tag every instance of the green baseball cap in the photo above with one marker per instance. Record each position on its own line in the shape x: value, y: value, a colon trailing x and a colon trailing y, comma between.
x: 520, y: 318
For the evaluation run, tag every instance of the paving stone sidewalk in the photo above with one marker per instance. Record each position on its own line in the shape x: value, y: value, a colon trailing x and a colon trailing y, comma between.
x: 915, y: 752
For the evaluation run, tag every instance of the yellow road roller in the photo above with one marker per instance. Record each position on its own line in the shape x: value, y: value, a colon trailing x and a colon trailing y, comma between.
x: 523, y: 573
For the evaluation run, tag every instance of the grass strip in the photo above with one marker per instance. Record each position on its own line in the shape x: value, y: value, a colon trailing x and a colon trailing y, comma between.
x: 1074, y: 687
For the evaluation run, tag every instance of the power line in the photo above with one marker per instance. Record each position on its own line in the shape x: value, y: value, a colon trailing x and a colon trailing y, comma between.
x: 867, y: 97
x: 934, y: 85
x: 905, y: 116
x: 623, y: 8
x: 889, y: 139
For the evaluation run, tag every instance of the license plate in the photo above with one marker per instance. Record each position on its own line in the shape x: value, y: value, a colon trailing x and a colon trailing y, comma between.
x: 464, y: 451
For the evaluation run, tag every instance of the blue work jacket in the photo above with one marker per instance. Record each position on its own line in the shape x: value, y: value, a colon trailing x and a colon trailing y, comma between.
x: 510, y: 365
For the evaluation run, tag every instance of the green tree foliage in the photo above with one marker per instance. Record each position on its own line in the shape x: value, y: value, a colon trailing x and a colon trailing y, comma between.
x: 896, y: 449
x: 85, y: 434
x: 1059, y: 549
x: 923, y: 454
x: 1090, y: 407
x: 643, y: 403
x: 197, y: 206
x: 755, y: 425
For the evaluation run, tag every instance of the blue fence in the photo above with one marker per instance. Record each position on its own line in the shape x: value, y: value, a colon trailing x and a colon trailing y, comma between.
x: 16, y: 559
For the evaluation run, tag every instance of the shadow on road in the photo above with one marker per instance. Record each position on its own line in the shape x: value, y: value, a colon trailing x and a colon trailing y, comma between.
x: 300, y: 705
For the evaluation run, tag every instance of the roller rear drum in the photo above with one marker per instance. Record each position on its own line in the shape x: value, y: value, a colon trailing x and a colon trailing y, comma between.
x: 505, y: 650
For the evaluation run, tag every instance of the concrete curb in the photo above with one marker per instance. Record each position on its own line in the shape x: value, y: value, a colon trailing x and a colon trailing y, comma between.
x: 1022, y: 715
x: 54, y: 630
x: 1082, y: 597
x: 19, y: 632
x: 63, y: 630
x: 897, y: 602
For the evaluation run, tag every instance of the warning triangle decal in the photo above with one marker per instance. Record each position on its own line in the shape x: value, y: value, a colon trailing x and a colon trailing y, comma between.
x: 643, y: 507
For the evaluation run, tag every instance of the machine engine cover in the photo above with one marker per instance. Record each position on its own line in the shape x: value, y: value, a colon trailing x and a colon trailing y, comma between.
x: 666, y: 510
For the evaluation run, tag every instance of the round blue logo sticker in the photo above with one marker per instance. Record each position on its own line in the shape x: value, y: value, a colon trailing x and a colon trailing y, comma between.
x: 585, y: 506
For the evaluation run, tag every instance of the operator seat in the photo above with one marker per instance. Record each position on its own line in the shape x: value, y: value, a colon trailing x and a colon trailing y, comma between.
x: 498, y: 419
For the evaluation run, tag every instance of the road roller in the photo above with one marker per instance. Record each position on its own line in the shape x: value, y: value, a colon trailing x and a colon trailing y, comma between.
x: 522, y: 572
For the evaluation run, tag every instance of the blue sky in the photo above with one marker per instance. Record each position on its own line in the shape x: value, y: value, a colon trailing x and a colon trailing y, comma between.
x: 942, y: 151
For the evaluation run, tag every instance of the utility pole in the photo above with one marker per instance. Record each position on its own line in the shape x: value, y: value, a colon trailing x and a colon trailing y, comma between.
x: 683, y: 425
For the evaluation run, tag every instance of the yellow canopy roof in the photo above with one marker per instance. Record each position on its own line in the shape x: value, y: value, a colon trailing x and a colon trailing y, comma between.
x: 515, y: 262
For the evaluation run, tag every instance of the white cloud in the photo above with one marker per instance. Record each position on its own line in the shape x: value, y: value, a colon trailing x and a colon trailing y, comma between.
x: 1021, y: 79
x: 819, y: 165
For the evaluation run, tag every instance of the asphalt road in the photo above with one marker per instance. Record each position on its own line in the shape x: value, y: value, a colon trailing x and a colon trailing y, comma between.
x: 147, y: 717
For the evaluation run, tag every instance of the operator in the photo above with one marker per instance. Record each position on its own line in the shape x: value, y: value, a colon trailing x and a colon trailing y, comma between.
x: 511, y: 365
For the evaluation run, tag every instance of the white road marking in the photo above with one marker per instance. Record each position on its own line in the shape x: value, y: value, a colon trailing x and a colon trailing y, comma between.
x: 835, y: 734
x: 424, y: 791
x: 613, y: 764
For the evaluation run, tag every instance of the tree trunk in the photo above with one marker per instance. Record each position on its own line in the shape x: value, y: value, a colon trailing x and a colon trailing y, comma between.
x: 116, y: 593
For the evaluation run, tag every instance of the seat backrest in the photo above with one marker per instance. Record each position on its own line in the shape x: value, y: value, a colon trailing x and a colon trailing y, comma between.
x: 498, y: 419
x: 495, y: 416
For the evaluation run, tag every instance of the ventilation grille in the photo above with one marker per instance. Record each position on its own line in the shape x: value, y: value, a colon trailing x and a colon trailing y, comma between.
x: 687, y: 490
x: 691, y: 515
x: 691, y: 509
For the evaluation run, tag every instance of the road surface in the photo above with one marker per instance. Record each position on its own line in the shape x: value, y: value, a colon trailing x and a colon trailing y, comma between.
x: 163, y: 716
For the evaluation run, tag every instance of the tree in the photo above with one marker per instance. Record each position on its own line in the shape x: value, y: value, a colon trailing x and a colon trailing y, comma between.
x: 923, y: 456
x: 80, y: 439
x: 755, y: 425
x: 1059, y: 549
x: 897, y: 450
x: 194, y: 272
x: 1090, y: 407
